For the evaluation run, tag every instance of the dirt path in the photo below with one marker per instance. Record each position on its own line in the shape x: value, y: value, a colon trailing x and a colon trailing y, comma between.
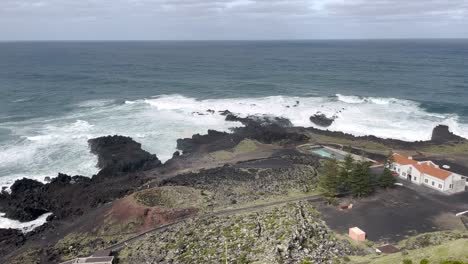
x: 119, y: 246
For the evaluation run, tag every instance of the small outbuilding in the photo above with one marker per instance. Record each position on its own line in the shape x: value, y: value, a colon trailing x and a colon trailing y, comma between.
x: 387, y: 249
x: 356, y: 234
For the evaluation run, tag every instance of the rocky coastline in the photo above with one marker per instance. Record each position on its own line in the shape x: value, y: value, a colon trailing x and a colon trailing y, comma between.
x: 123, y: 165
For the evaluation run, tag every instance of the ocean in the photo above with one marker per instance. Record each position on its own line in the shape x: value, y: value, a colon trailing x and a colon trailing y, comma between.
x: 54, y: 96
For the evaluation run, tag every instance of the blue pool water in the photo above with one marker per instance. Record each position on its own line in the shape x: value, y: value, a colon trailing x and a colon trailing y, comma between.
x: 323, y: 153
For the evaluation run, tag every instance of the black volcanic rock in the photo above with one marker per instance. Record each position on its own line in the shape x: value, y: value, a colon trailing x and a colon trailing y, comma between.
x: 30, y: 199
x: 264, y: 120
x: 212, y: 141
x: 442, y: 134
x: 67, y: 196
x: 64, y: 196
x: 225, y: 112
x: 25, y: 184
x: 322, y: 120
x: 264, y: 129
x: 10, y: 239
x: 119, y: 154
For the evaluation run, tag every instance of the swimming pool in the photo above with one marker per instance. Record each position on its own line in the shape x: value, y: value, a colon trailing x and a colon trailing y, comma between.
x: 323, y: 153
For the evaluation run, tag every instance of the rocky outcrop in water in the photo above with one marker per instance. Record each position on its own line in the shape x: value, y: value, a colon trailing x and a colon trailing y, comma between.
x: 322, y: 120
x: 67, y: 196
x: 264, y: 129
x: 212, y: 141
x: 119, y: 154
x: 264, y: 120
x: 441, y: 134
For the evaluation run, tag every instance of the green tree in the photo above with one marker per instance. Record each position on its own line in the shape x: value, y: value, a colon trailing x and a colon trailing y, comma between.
x: 360, y: 182
x: 387, y: 180
x: 329, y: 180
x: 345, y: 172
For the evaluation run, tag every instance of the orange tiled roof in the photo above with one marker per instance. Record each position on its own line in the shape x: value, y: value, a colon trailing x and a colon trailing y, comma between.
x: 424, y: 167
x: 433, y: 171
x: 397, y: 158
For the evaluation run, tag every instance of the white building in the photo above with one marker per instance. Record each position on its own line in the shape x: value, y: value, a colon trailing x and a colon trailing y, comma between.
x: 428, y: 174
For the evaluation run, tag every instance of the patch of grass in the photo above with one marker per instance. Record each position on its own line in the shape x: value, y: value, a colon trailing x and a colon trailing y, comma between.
x: 432, y: 239
x: 30, y: 256
x: 460, y: 148
x: 81, y: 244
x: 222, y: 155
x: 364, y: 144
x: 270, y: 199
x: 245, y: 146
x: 453, y: 250
x: 170, y: 197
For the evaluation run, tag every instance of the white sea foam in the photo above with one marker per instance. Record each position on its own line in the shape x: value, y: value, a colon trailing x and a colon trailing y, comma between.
x: 44, y: 147
x: 23, y: 226
x: 95, y: 103
x: 21, y: 100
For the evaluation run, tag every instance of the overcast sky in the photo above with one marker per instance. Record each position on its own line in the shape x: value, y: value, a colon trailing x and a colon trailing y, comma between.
x: 231, y: 19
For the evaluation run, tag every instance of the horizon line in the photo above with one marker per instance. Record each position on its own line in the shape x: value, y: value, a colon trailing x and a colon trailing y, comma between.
x: 221, y: 40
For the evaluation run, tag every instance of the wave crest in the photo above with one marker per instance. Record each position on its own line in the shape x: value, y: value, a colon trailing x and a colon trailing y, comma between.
x: 49, y: 146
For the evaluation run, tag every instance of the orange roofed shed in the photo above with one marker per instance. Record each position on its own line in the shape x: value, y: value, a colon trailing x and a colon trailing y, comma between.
x: 357, y: 234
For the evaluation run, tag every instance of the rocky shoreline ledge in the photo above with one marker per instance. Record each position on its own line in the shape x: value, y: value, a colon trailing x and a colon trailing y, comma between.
x: 125, y: 168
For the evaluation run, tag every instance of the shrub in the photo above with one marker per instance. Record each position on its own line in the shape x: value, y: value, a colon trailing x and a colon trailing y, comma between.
x: 407, y: 261
x: 424, y: 261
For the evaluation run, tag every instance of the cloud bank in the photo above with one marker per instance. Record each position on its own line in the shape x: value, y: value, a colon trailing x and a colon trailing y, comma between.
x: 232, y: 19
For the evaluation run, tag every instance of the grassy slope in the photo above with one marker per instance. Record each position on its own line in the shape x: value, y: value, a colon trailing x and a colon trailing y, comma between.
x: 460, y: 148
x: 447, y: 149
x: 453, y: 250
x: 245, y: 146
x: 364, y: 144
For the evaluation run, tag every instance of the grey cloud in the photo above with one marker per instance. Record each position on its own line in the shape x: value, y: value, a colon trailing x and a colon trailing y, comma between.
x: 247, y: 19
x: 397, y: 8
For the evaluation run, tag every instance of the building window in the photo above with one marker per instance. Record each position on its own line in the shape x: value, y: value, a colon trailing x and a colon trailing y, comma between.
x: 440, y: 186
x: 426, y: 181
x: 451, y: 186
x: 398, y: 169
x: 414, y: 178
x: 433, y: 183
x: 404, y: 173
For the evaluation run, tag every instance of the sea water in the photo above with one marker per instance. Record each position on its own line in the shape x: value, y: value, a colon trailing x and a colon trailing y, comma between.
x: 54, y: 96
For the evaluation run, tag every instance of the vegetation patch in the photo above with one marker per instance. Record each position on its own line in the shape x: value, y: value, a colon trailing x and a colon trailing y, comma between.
x: 458, y: 148
x: 432, y: 239
x: 30, y: 256
x: 284, y: 234
x: 83, y: 244
x: 171, y: 197
x: 448, y: 252
x: 245, y: 146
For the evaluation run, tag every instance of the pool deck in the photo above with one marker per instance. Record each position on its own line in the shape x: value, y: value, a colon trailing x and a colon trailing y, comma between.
x: 339, y: 154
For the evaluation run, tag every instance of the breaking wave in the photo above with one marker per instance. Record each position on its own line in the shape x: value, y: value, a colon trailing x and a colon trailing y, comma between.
x: 25, y: 227
x: 43, y: 147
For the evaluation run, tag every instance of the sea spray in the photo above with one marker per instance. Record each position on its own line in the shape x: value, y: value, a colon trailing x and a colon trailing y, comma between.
x: 45, y: 146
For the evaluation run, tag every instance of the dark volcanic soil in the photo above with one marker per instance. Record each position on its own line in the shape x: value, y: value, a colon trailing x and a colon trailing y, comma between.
x: 391, y: 215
